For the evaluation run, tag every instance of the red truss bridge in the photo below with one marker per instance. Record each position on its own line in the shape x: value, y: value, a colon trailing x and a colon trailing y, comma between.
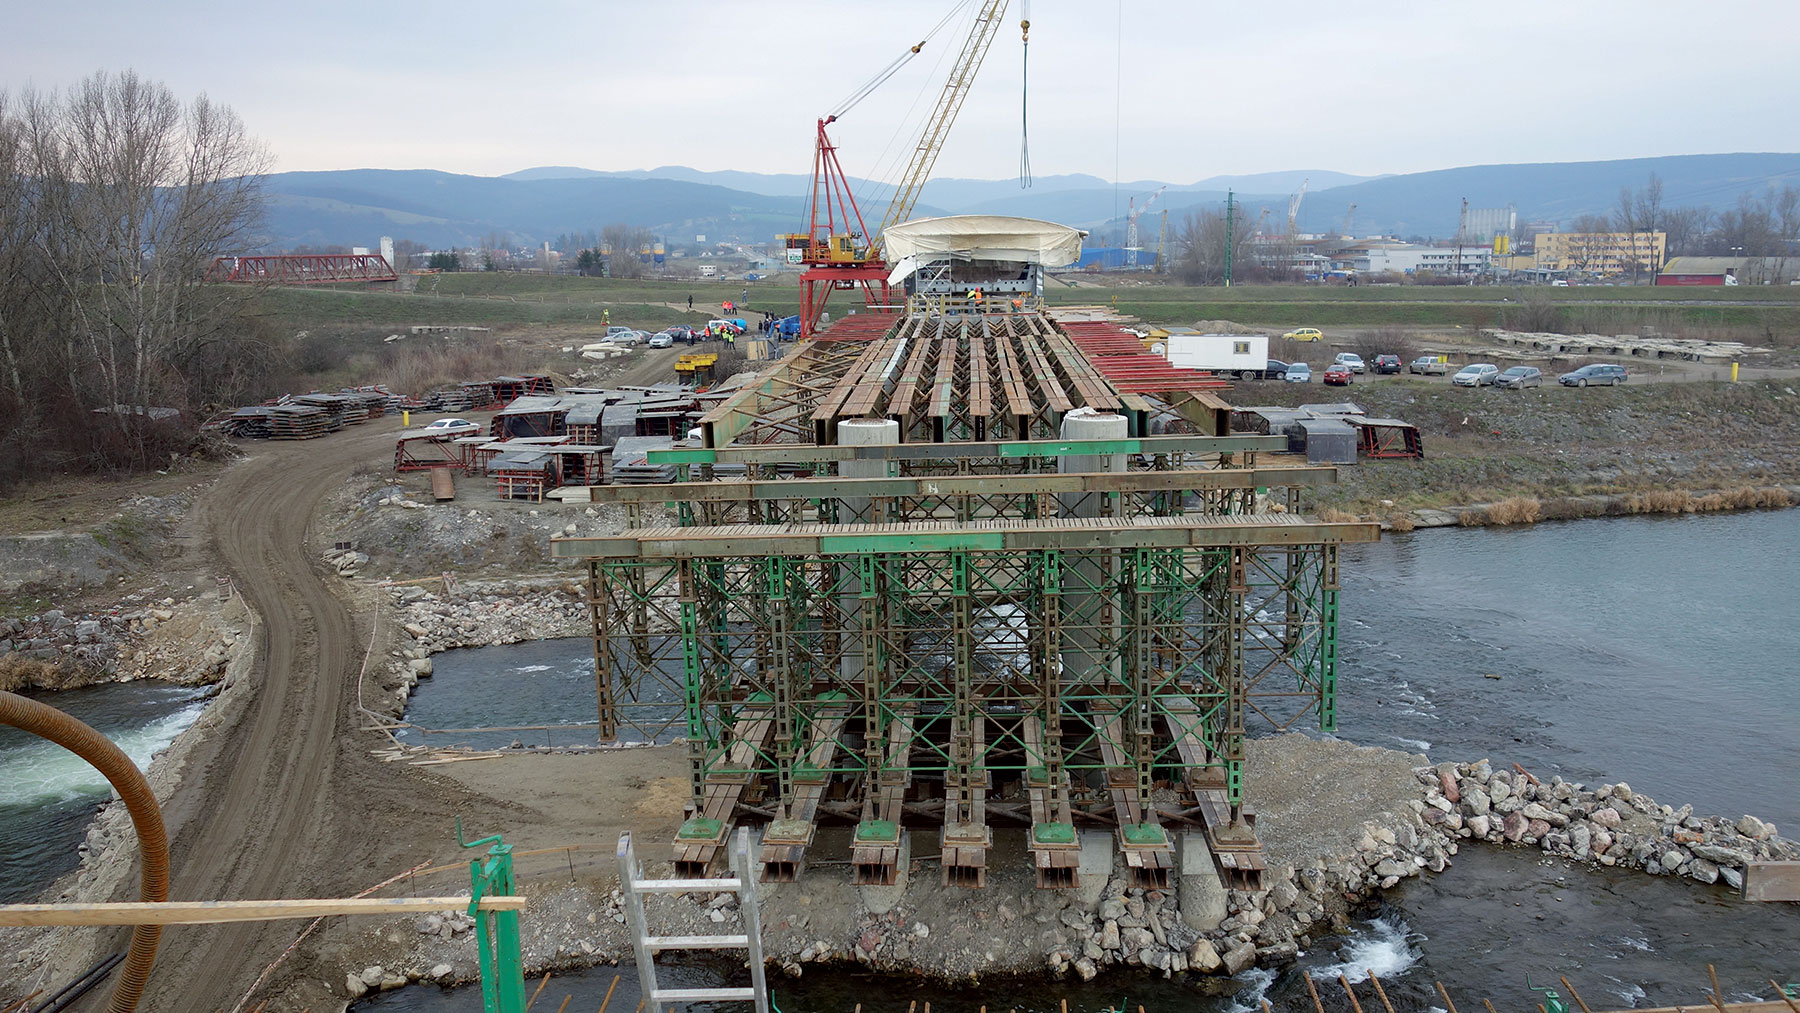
x: 303, y: 269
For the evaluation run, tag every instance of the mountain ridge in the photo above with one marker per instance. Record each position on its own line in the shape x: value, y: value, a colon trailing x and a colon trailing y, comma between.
x: 355, y: 206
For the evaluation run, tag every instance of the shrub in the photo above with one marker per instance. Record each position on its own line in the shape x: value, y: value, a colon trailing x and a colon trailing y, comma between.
x: 1666, y: 501
x: 1515, y: 510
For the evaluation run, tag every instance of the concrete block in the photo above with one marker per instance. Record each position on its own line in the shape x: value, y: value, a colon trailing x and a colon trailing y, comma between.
x: 1099, y: 856
x: 879, y: 900
x: 1203, y: 897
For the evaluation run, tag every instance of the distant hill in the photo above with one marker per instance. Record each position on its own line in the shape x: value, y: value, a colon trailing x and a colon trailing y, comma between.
x: 356, y: 206
x: 1429, y: 203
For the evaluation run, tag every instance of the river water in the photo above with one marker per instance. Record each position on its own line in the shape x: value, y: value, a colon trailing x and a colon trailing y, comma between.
x: 1659, y: 651
x: 48, y: 794
x: 1656, y: 651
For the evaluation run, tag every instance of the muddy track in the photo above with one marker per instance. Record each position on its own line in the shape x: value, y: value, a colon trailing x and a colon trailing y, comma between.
x: 264, y: 812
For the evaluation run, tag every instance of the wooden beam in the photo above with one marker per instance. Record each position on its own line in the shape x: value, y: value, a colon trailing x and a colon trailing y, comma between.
x: 1772, y: 881
x: 212, y: 912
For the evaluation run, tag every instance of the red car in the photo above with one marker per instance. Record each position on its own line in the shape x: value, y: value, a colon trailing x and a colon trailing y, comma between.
x: 1338, y: 375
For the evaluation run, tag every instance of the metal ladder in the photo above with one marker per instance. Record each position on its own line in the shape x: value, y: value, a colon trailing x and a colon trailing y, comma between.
x: 633, y: 886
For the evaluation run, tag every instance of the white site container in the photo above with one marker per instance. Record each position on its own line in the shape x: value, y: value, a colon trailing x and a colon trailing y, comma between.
x: 1230, y: 354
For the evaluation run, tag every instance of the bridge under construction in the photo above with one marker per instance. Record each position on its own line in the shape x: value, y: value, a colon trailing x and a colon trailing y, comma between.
x: 968, y: 568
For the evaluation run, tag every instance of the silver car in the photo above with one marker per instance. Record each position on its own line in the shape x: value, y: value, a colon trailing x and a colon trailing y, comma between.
x: 1520, y: 377
x: 1476, y: 374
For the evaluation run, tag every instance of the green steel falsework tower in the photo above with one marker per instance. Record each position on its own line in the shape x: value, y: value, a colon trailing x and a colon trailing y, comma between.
x: 972, y: 571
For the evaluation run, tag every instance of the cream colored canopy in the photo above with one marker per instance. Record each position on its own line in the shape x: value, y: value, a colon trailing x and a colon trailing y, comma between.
x: 983, y: 237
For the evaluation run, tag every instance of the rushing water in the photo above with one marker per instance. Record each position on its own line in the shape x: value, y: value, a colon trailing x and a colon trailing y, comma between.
x: 49, y: 794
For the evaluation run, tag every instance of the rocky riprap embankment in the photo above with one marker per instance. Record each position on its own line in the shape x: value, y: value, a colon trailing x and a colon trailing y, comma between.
x: 471, y: 614
x: 1610, y: 825
x: 188, y: 643
x: 1425, y: 813
x: 88, y: 642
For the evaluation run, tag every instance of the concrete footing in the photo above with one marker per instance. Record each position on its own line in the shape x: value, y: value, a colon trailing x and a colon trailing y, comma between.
x: 1203, y: 897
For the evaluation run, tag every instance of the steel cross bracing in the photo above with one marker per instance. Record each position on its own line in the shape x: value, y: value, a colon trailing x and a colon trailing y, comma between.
x: 978, y: 640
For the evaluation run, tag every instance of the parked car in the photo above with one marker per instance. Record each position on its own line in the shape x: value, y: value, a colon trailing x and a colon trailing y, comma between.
x: 718, y: 325
x: 1305, y: 334
x: 1352, y: 360
x: 681, y: 332
x: 1385, y: 364
x: 1275, y: 370
x: 1520, y: 377
x: 662, y: 339
x: 1594, y: 375
x: 1338, y: 375
x: 1428, y: 365
x: 1298, y: 372
x: 453, y: 427
x: 617, y: 329
x: 630, y: 337
x: 1476, y: 374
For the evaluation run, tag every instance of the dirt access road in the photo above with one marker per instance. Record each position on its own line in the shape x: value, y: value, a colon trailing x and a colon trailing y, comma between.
x: 286, y: 801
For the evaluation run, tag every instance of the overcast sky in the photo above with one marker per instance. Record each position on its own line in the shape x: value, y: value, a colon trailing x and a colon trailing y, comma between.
x: 1207, y: 88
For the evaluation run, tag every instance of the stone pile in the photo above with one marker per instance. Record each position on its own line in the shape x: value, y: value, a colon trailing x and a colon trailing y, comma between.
x: 186, y: 643
x: 474, y: 614
x: 484, y: 613
x: 86, y: 642
x: 1611, y: 825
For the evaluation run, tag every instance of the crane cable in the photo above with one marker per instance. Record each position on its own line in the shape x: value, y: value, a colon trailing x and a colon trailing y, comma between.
x: 1025, y: 98
x: 893, y: 68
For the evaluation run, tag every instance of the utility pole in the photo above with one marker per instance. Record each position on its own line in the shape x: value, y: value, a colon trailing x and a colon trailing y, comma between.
x: 1462, y: 232
x: 1230, y: 207
x: 1162, y: 244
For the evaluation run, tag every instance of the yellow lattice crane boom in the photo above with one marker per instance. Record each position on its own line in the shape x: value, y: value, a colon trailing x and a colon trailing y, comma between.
x: 937, y: 128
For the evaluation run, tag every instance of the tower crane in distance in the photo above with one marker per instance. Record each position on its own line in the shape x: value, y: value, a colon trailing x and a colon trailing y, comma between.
x: 1131, y: 229
x: 1294, y: 209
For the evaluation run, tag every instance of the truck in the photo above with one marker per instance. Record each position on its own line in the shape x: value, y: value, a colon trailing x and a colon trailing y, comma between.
x: 1244, y: 356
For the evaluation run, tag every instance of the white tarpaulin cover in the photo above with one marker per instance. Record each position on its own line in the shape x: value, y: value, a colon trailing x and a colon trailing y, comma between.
x: 983, y: 237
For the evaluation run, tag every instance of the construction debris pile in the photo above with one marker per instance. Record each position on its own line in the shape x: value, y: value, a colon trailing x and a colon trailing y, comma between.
x: 1622, y: 345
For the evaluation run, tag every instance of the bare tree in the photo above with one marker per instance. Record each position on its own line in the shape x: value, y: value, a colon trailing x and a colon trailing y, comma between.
x: 151, y: 192
x: 1638, y: 216
x: 114, y: 199
x: 624, y: 243
x: 1200, y: 242
x: 1687, y: 230
x: 1586, y: 248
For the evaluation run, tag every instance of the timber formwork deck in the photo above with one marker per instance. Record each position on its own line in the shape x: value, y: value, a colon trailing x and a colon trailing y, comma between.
x: 987, y: 624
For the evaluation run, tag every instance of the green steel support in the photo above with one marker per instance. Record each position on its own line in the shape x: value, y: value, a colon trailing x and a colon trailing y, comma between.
x: 782, y: 661
x: 698, y: 742
x: 1328, y: 641
x: 496, y: 932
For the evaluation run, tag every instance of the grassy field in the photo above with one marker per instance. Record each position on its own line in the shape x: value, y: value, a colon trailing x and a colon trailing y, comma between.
x: 503, y: 298
x: 1744, y: 313
x: 1765, y: 315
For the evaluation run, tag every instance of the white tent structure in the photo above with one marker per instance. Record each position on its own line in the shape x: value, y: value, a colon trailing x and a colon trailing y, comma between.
x: 909, y: 245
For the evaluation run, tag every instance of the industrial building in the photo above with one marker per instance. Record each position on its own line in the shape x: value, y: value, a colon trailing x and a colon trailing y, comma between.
x: 1730, y: 271
x: 1600, y: 254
